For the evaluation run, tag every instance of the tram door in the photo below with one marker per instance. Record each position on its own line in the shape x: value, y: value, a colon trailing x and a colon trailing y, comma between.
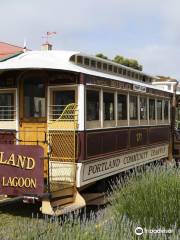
x: 33, y: 116
x: 62, y: 138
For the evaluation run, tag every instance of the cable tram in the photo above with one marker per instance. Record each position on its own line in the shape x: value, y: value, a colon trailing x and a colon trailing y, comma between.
x: 69, y: 121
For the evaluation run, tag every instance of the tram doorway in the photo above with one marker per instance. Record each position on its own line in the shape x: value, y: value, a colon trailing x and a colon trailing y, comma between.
x: 32, y: 113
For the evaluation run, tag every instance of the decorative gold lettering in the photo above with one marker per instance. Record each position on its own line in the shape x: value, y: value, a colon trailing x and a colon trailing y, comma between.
x: 2, y: 158
x: 30, y: 163
x: 21, y: 161
x: 19, y: 182
x: 11, y: 160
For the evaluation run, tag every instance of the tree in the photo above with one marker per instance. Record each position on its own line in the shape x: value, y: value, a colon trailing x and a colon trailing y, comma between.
x: 132, y: 63
x: 128, y: 62
x: 100, y: 55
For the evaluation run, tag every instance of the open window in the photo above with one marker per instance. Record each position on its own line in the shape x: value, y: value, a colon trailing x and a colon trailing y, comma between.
x: 59, y: 100
x: 152, y: 111
x: 166, y: 111
x: 8, y: 109
x: 108, y: 109
x: 159, y: 111
x: 122, y: 109
x: 133, y: 109
x: 143, y: 110
x: 93, y: 108
x: 34, y: 100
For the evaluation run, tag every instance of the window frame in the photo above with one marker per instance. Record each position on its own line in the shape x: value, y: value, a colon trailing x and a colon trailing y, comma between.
x: 144, y: 121
x: 133, y: 122
x: 93, y: 123
x: 109, y: 123
x: 14, y: 92
x: 161, y: 119
x: 122, y: 122
x: 52, y: 89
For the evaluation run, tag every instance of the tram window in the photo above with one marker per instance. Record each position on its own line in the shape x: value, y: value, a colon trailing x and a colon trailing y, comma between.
x: 110, y: 68
x: 105, y: 66
x: 108, y: 103
x: 128, y: 73
x: 79, y: 59
x: 34, y: 99
x: 132, y: 74
x: 136, y: 75
x: 92, y: 101
x: 151, y: 109
x: 120, y: 70
x: 159, y: 109
x: 60, y: 100
x: 72, y: 59
x: 166, y: 110
x: 143, y: 108
x: 99, y: 65
x: 93, y: 63
x: 122, y: 107
x: 86, y: 61
x: 7, y: 106
x: 141, y: 77
x: 124, y: 72
x: 133, y: 112
x: 115, y: 69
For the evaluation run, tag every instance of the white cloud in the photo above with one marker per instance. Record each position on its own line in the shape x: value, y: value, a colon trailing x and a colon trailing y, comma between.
x: 146, y: 30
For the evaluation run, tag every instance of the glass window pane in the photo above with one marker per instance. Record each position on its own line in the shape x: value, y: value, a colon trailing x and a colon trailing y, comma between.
x: 133, y: 112
x: 166, y: 110
x: 108, y: 103
x: 122, y: 107
x: 151, y: 109
x: 60, y: 100
x: 92, y: 101
x: 7, y: 106
x: 34, y: 99
x: 143, y: 108
x: 159, y: 109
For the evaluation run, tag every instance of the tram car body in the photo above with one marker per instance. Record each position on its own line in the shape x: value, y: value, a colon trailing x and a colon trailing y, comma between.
x: 69, y: 120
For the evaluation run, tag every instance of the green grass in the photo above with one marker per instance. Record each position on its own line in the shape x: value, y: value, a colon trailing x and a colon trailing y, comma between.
x: 149, y: 199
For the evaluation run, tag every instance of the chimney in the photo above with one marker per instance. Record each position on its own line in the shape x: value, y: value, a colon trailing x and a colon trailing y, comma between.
x: 46, y: 46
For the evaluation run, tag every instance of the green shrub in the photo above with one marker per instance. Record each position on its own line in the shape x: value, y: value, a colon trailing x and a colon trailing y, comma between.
x: 151, y: 198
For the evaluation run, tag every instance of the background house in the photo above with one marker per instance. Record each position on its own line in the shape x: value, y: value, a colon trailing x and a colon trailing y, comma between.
x: 9, y: 50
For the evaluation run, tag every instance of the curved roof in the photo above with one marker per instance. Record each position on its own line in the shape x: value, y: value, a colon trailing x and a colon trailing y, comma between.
x: 39, y: 60
x: 59, y: 60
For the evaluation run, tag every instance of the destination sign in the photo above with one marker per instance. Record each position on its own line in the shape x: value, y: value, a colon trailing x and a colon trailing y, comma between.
x: 96, y: 170
x: 139, y: 88
x: 21, y: 169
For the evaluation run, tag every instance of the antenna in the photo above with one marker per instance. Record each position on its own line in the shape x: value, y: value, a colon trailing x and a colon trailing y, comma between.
x: 24, y: 45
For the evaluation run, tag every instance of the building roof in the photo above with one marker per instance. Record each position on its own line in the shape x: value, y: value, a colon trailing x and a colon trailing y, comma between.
x: 8, y: 50
x: 58, y: 60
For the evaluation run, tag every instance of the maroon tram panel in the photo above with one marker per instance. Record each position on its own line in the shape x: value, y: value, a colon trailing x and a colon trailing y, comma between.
x: 21, y: 170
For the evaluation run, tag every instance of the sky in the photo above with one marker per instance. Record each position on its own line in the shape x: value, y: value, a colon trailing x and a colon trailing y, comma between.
x: 146, y: 30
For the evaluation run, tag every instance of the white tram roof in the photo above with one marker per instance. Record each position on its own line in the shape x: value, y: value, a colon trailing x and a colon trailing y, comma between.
x: 60, y: 60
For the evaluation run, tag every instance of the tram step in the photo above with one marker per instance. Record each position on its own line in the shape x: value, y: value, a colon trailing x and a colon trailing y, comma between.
x: 63, y: 206
x: 95, y: 198
x: 67, y: 191
x: 62, y: 201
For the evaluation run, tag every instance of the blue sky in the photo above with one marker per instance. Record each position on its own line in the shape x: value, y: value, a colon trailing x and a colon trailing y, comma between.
x: 148, y: 31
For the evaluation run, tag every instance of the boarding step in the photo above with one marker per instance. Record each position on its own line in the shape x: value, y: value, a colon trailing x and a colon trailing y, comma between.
x: 62, y: 205
x: 95, y: 198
